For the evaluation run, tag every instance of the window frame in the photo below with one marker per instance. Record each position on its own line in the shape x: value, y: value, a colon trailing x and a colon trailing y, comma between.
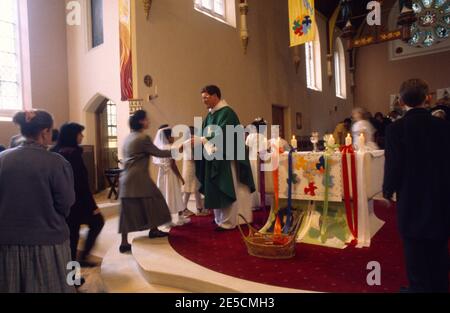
x: 23, y: 55
x: 229, y: 9
x: 111, y: 124
x: 340, y: 70
x: 90, y: 26
x: 313, y: 61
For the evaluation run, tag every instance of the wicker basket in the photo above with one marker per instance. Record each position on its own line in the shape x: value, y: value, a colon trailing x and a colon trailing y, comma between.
x: 270, y: 246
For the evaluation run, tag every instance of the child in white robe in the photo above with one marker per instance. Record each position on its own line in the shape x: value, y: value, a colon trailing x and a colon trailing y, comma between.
x: 192, y: 185
x: 257, y: 143
x: 169, y: 178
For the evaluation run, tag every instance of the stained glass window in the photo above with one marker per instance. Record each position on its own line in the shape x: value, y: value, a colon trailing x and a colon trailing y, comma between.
x: 433, y: 22
x: 10, y: 82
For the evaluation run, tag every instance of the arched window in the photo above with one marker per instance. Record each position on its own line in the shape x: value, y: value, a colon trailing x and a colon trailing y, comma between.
x: 10, y: 70
x: 313, y: 63
x: 340, y: 70
x: 221, y: 10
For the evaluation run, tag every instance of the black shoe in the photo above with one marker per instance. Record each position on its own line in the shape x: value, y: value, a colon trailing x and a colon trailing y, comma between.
x: 157, y: 234
x: 125, y: 248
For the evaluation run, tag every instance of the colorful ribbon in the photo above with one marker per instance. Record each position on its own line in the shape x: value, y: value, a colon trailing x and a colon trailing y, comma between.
x: 352, y: 212
x: 329, y: 150
x: 262, y: 184
x: 289, y: 216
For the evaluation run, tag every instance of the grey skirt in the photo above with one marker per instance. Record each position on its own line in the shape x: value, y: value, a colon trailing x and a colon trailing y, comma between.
x: 139, y: 214
x: 35, y: 269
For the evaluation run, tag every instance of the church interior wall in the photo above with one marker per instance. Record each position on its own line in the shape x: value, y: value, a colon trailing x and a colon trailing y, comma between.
x: 48, y: 62
x: 377, y: 78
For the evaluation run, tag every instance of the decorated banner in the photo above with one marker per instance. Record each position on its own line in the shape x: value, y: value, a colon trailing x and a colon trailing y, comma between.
x: 126, y: 65
x: 309, y: 179
x: 301, y: 21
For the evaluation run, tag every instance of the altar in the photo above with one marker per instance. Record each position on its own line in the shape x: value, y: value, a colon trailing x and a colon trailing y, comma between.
x: 337, y: 202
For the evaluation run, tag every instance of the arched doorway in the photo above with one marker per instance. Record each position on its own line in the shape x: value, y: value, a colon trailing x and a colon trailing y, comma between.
x: 106, y: 139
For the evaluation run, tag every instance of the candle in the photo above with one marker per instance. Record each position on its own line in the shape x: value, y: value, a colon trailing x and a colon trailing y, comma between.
x: 362, y: 141
x: 156, y: 90
x: 294, y: 142
x: 348, y: 140
x: 331, y: 141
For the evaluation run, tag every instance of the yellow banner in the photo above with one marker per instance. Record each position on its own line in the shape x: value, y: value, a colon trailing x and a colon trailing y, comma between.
x: 302, y: 21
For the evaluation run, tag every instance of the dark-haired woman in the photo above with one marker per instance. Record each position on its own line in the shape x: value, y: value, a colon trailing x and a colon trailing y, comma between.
x: 36, y: 193
x: 143, y: 205
x: 85, y: 211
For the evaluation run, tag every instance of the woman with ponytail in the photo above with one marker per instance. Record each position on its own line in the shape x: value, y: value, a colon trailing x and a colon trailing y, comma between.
x: 36, y: 193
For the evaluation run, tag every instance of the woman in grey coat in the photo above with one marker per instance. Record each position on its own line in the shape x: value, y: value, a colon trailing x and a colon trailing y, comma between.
x: 36, y: 193
x: 143, y: 205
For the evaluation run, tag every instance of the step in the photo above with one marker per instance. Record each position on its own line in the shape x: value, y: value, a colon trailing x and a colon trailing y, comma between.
x: 160, y: 264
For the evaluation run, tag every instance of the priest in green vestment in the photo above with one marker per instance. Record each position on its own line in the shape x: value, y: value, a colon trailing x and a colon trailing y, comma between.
x: 226, y: 178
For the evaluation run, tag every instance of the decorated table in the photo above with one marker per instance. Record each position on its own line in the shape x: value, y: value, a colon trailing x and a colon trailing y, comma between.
x: 333, y: 191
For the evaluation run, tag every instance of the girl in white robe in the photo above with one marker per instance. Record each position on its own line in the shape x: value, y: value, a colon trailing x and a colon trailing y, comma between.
x: 363, y: 126
x: 169, y: 179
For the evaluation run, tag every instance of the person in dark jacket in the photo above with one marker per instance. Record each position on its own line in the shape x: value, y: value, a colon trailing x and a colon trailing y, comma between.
x: 417, y: 170
x: 85, y: 210
x: 36, y: 193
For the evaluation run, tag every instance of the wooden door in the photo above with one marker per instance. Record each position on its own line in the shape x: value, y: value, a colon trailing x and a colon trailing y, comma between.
x: 278, y: 119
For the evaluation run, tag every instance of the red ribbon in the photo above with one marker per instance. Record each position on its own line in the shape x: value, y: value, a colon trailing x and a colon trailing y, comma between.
x: 352, y: 212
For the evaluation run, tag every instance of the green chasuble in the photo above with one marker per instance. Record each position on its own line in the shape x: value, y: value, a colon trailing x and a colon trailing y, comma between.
x: 215, y: 176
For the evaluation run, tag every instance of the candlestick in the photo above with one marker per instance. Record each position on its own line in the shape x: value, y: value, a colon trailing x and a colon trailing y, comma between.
x: 294, y: 142
x: 314, y: 140
x: 348, y: 140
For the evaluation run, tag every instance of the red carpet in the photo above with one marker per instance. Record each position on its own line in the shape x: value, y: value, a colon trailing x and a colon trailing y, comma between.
x: 314, y: 268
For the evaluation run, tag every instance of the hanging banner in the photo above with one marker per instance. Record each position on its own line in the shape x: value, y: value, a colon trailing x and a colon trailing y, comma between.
x: 126, y: 65
x: 301, y: 21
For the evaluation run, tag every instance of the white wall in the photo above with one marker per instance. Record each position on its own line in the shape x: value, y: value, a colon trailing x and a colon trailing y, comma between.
x: 183, y: 50
x: 94, y: 74
x: 48, y: 62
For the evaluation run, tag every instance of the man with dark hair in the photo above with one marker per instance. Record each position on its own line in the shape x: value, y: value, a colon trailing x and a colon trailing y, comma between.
x: 227, y: 183
x: 417, y: 170
x: 212, y: 91
x: 342, y: 130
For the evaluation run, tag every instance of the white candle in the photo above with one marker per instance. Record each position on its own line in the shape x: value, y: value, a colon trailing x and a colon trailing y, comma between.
x: 331, y: 141
x: 348, y: 140
x: 294, y: 142
x: 156, y: 90
x: 362, y: 141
